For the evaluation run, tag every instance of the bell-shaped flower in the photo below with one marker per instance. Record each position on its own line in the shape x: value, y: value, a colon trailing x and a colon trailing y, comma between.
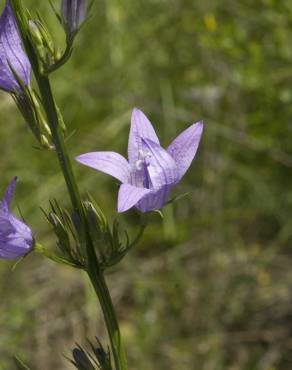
x: 13, y: 59
x: 73, y: 14
x: 16, y: 238
x: 151, y: 171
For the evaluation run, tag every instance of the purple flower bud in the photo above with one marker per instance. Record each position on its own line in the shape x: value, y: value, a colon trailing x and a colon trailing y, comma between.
x: 73, y: 14
x: 151, y: 171
x: 16, y: 238
x: 12, y: 55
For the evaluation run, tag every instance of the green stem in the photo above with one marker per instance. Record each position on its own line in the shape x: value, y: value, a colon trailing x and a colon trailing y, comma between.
x: 64, y: 160
x: 93, y: 270
x: 63, y: 59
x: 100, y: 287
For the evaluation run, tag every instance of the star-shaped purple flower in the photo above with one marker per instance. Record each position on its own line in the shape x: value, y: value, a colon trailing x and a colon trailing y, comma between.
x: 150, y: 171
x: 16, y: 238
x: 11, y: 53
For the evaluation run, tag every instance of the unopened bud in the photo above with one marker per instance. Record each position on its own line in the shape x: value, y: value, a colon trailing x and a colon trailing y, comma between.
x: 73, y: 14
x: 82, y: 362
x: 35, y: 32
x: 42, y: 42
x: 55, y: 221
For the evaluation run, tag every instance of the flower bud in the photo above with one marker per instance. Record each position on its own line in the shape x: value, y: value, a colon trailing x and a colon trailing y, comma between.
x: 35, y: 32
x: 31, y: 109
x: 110, y: 247
x: 84, y: 359
x: 67, y: 236
x: 81, y: 359
x: 73, y: 14
x: 42, y: 42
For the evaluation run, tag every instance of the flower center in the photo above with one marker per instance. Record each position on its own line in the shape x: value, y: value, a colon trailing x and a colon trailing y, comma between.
x: 143, y: 160
x: 141, y: 166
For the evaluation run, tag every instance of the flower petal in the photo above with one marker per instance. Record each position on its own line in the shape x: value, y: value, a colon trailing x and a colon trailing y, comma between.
x: 184, y: 147
x: 5, y: 203
x: 11, y: 53
x: 161, y: 167
x: 141, y: 127
x: 129, y: 196
x: 14, y: 248
x: 16, y: 238
x: 7, y: 254
x: 6, y: 227
x: 154, y: 200
x: 110, y: 163
x: 21, y: 229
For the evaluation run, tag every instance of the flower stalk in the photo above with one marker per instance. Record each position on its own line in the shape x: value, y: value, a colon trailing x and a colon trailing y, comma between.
x: 59, y: 142
x: 95, y: 275
x: 98, y: 281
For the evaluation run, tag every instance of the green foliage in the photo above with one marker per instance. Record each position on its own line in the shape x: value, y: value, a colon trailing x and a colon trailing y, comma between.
x: 209, y: 286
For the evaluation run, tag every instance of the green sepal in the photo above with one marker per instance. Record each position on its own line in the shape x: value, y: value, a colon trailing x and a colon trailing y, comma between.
x: 109, y: 246
x: 95, y: 359
x: 30, y: 107
x: 67, y: 233
x: 55, y: 258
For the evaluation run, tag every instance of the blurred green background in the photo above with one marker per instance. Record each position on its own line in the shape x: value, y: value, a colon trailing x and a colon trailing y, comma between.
x: 210, y: 286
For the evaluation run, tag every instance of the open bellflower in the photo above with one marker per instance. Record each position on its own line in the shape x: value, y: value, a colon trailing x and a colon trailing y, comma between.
x: 12, y: 56
x: 151, y: 171
x: 73, y: 14
x: 16, y: 238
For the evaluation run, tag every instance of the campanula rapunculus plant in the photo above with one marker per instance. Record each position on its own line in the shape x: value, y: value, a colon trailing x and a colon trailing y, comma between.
x: 85, y: 238
x: 12, y: 56
x: 73, y: 14
x: 16, y: 238
x: 151, y: 171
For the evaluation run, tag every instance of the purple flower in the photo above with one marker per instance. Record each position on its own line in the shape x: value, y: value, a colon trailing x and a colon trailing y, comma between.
x: 73, y: 14
x: 151, y: 171
x: 16, y: 238
x: 11, y: 53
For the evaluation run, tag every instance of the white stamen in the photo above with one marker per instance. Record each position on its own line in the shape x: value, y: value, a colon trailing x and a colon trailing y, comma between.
x: 144, y: 160
x: 139, y: 164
